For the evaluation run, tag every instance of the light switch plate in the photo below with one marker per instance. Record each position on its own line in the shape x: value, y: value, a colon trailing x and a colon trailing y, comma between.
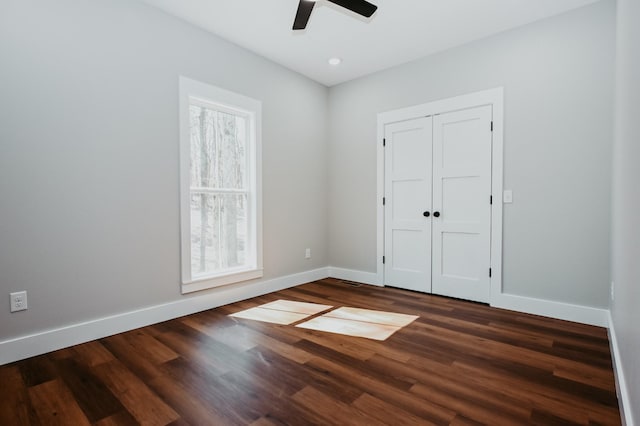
x: 507, y: 196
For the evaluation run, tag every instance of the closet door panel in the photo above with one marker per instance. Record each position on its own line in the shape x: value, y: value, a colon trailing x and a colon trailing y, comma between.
x: 461, y: 198
x: 408, y: 196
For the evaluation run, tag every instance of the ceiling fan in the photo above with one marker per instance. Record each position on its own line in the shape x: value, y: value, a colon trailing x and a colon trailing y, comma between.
x: 361, y: 7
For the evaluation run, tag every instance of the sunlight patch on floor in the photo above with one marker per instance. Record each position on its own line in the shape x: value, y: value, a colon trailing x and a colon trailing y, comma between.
x: 376, y: 317
x: 283, y: 312
x: 376, y: 325
x: 298, y: 307
x: 350, y: 328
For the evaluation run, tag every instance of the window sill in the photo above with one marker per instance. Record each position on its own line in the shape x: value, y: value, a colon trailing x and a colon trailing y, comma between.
x: 221, y: 280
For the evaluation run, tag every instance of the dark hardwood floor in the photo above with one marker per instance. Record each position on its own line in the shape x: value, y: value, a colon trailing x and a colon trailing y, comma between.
x: 460, y: 363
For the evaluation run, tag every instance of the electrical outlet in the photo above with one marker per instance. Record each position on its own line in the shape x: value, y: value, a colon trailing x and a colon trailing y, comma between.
x: 18, y: 301
x: 307, y: 253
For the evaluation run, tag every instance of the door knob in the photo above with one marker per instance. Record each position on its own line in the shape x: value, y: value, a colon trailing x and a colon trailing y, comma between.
x: 426, y: 214
x: 436, y: 214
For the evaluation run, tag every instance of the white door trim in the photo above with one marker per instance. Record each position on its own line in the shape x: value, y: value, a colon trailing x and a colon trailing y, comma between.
x: 493, y: 97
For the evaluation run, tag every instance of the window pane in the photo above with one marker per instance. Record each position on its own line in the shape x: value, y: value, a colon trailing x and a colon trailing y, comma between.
x: 218, y: 149
x: 218, y: 232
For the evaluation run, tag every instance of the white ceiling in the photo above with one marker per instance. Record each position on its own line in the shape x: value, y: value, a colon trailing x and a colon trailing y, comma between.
x: 400, y: 31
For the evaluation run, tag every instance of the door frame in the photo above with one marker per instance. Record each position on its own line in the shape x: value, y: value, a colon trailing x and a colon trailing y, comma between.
x: 493, y: 97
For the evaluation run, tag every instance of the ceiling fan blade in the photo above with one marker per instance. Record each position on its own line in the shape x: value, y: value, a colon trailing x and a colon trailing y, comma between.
x: 302, y: 16
x: 361, y: 7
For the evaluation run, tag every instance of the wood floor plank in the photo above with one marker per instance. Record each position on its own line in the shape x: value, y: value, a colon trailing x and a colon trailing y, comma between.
x: 470, y: 408
x: 543, y: 418
x: 193, y: 350
x: 235, y: 336
x: 460, y: 363
x: 37, y: 370
x: 133, y: 359
x: 340, y: 413
x: 189, y: 404
x: 14, y: 403
x: 146, y: 344
x: 446, y: 388
x: 461, y: 420
x: 495, y: 333
x: 400, y: 398
x: 55, y: 405
x: 600, y: 378
x: 387, y: 413
x: 229, y: 402
x: 140, y: 401
x: 91, y: 394
x: 263, y: 421
x: 509, y: 351
x: 93, y: 353
x: 559, y: 402
x: 283, y: 349
x: 122, y: 418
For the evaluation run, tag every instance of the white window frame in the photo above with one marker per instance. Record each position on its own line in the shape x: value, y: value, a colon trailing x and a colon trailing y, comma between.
x: 194, y: 92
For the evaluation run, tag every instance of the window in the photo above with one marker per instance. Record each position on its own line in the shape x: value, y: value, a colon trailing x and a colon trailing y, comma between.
x: 220, y: 200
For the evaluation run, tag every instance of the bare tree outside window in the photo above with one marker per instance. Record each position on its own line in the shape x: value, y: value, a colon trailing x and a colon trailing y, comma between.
x: 218, y: 188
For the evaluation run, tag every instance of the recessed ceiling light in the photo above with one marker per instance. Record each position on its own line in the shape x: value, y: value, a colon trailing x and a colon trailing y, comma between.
x: 335, y: 61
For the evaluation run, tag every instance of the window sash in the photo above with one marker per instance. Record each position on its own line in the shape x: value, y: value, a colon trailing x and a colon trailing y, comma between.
x: 203, y: 190
x: 212, y: 239
x: 216, y: 146
x: 203, y: 103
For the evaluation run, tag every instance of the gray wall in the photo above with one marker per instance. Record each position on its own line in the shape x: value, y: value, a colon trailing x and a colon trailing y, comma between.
x: 625, y: 306
x: 558, y: 80
x: 89, y: 214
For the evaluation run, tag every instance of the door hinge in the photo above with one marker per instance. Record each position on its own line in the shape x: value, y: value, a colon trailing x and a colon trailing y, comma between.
x: 383, y: 259
x: 384, y: 200
x: 490, y: 199
x: 492, y: 126
x: 489, y: 272
x: 384, y: 142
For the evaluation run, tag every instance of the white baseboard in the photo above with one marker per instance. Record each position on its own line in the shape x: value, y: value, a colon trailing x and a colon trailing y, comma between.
x: 49, y: 340
x: 548, y: 308
x: 353, y: 275
x: 58, y: 338
x: 621, y: 385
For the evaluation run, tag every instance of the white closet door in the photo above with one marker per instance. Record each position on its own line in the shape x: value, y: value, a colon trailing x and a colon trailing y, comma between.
x: 408, y: 195
x: 461, y: 200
